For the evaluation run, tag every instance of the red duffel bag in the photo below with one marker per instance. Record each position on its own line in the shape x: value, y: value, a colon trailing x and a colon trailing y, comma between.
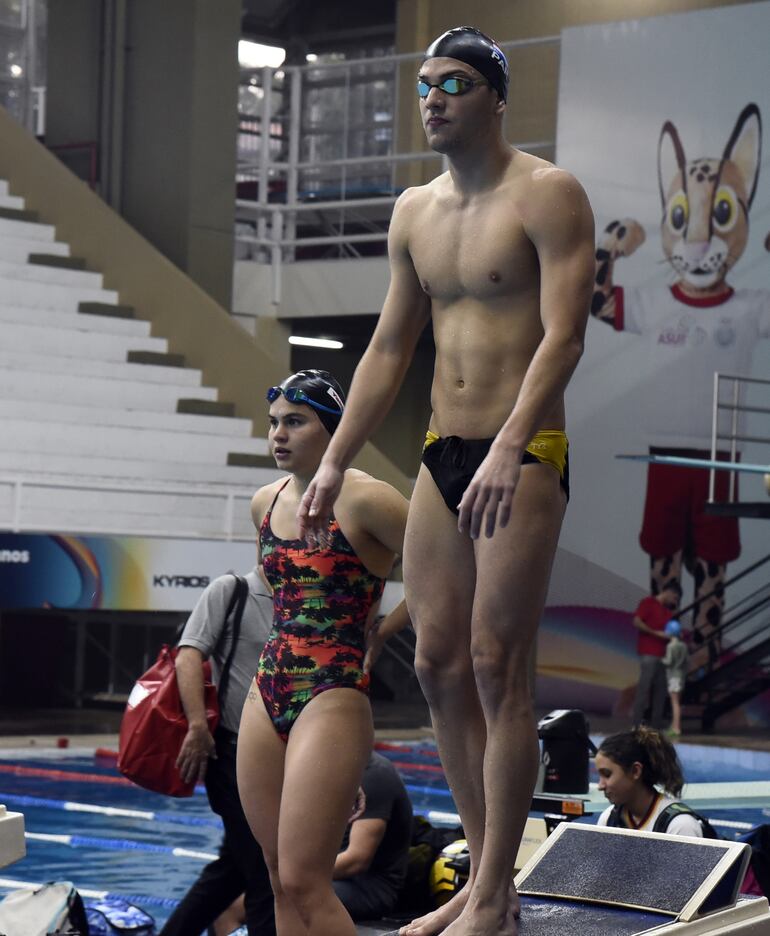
x: 154, y: 726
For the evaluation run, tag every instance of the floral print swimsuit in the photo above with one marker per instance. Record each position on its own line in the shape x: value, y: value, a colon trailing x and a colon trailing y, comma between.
x: 322, y: 597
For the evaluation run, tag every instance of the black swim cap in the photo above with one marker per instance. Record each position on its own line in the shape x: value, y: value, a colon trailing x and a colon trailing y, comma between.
x: 471, y: 46
x: 321, y: 389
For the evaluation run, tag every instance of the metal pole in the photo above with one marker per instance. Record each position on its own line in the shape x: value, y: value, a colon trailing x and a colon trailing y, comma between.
x: 714, y: 430
x: 394, y: 126
x: 292, y: 180
x: 30, y: 42
x: 264, y: 139
x: 345, y: 151
x: 276, y: 233
x: 734, y: 433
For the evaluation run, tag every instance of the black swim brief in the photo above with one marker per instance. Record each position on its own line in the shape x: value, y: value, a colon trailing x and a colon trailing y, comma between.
x: 452, y: 463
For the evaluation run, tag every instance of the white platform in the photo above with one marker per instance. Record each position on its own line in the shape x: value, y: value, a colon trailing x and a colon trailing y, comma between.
x: 12, y: 846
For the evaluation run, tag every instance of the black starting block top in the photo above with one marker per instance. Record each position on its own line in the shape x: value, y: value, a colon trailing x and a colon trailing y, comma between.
x: 675, y: 876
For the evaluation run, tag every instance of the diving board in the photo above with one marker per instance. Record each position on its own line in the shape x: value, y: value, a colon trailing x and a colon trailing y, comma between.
x: 679, y: 461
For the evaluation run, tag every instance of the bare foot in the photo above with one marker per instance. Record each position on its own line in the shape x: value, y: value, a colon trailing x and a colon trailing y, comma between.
x: 438, y: 920
x: 487, y: 920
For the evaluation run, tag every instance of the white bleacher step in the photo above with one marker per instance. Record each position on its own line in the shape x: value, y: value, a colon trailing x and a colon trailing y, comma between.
x: 121, y: 442
x: 149, y: 373
x: 18, y: 249
x: 51, y: 295
x: 200, y: 511
x: 31, y: 230
x: 78, y: 321
x: 4, y: 190
x: 31, y: 411
x: 131, y: 469
x: 115, y: 521
x: 80, y: 390
x: 11, y: 201
x: 67, y: 507
x: 65, y: 342
x: 51, y: 275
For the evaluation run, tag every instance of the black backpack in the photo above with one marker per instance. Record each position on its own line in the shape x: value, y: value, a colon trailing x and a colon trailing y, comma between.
x: 666, y: 817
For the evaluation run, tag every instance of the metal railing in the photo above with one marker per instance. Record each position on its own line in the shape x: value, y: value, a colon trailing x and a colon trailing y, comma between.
x: 221, y: 522
x: 735, y: 407
x: 332, y: 166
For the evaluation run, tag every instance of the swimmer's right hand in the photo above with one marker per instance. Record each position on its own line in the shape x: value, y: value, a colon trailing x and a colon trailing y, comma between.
x: 315, y: 508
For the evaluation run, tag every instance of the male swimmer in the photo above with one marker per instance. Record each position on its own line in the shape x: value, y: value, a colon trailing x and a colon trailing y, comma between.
x: 498, y: 253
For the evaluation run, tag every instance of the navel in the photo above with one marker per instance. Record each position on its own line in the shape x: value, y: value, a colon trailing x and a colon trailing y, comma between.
x: 460, y: 383
x: 426, y: 287
x: 494, y: 276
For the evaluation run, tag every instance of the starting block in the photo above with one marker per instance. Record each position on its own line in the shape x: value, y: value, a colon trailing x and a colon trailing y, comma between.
x: 594, y: 880
x: 12, y: 843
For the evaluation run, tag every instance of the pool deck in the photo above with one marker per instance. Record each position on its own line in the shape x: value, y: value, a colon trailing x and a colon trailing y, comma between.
x: 405, y: 721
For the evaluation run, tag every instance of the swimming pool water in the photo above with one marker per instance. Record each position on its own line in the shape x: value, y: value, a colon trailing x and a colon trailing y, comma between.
x: 131, y: 856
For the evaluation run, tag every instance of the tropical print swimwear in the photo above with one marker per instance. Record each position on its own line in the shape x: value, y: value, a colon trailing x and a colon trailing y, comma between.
x: 322, y: 597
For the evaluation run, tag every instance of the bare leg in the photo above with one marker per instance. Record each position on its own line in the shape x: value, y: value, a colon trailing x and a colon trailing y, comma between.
x: 439, y: 581
x: 260, y: 768
x: 513, y: 571
x: 328, y: 748
x: 676, y: 713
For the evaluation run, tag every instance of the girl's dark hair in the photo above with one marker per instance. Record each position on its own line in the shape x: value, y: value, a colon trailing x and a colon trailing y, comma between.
x: 660, y: 763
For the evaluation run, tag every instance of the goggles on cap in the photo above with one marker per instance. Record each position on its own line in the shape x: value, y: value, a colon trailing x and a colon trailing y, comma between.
x: 298, y: 395
x: 453, y: 85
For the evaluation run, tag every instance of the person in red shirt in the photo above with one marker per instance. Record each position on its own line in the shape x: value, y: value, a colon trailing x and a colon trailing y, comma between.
x: 650, y: 619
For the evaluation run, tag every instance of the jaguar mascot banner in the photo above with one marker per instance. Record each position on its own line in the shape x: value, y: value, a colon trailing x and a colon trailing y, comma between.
x: 661, y: 119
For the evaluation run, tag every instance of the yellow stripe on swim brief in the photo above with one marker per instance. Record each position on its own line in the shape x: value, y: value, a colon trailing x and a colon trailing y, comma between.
x: 548, y: 446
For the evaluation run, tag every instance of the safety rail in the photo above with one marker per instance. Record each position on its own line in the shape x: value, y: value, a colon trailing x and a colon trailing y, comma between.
x: 333, y: 149
x: 735, y: 407
x: 223, y: 524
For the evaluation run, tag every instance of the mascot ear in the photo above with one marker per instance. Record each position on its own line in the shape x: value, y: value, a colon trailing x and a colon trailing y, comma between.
x: 670, y: 160
x: 744, y: 148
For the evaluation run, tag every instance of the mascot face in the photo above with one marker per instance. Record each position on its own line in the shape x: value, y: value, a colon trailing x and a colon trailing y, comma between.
x: 706, y: 202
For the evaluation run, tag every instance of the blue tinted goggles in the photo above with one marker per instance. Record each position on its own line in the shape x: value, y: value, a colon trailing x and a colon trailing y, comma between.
x: 454, y: 85
x: 298, y: 395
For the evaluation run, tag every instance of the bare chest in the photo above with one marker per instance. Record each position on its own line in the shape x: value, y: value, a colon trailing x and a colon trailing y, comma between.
x: 482, y: 254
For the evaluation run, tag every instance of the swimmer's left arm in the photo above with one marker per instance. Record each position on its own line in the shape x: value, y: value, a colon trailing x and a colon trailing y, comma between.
x: 559, y: 223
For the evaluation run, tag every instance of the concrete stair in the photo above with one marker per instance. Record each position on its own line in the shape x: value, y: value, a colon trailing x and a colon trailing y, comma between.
x: 101, y: 428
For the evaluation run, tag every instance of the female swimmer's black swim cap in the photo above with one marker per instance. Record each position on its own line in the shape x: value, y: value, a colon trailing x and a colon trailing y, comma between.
x: 321, y: 388
x: 471, y: 46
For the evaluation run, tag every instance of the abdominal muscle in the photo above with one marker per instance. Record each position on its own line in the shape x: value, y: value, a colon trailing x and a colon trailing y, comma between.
x: 483, y: 351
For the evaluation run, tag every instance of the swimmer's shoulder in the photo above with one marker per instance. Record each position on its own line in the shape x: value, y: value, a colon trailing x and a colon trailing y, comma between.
x: 414, y: 200
x: 556, y: 187
x: 263, y: 498
x: 369, y: 499
x: 553, y: 197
